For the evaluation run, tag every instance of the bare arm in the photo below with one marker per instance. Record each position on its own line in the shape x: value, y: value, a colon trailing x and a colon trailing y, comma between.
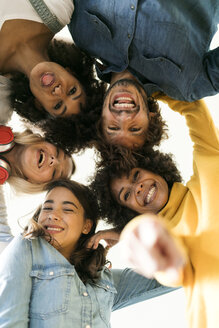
x: 111, y: 237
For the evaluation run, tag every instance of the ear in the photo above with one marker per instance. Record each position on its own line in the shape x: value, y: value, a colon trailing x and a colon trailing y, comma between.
x: 151, y: 114
x: 87, y: 226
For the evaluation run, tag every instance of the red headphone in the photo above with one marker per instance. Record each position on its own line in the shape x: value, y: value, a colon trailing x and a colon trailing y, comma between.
x: 6, y: 143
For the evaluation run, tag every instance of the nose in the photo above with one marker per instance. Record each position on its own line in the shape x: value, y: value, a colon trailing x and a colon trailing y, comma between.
x: 125, y: 115
x: 54, y: 161
x: 54, y: 216
x: 138, y: 189
x: 57, y: 91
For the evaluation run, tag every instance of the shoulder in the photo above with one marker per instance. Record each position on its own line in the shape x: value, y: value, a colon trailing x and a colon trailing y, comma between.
x: 18, y: 246
x: 5, y: 107
x: 16, y: 257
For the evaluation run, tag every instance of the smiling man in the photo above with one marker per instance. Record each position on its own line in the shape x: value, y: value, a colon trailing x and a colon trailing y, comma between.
x: 126, y: 116
x: 164, y: 45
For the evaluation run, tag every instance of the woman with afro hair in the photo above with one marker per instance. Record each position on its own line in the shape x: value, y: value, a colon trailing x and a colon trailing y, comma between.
x: 49, y: 78
x: 148, y: 181
x: 125, y: 183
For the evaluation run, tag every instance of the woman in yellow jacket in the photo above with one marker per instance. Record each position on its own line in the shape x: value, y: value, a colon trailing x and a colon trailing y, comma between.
x: 180, y: 245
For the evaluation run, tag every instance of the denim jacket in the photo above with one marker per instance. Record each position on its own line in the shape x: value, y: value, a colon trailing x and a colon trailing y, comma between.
x: 164, y: 44
x: 40, y: 288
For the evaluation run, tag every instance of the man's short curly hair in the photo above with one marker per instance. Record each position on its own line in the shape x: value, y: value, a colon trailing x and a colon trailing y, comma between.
x: 117, y: 166
x: 79, y: 128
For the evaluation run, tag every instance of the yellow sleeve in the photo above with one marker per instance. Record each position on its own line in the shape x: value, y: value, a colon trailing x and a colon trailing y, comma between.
x: 202, y: 130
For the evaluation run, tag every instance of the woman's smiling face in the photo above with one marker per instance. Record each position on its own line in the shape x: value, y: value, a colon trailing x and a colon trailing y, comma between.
x: 56, y: 89
x: 141, y: 191
x: 62, y: 216
x: 42, y: 162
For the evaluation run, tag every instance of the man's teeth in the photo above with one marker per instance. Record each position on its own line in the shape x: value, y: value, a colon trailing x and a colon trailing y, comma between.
x: 122, y: 105
x: 150, y: 194
x: 122, y: 102
x: 54, y: 229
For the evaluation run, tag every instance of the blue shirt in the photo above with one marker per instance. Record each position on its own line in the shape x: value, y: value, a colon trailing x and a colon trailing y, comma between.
x: 40, y: 288
x: 162, y: 43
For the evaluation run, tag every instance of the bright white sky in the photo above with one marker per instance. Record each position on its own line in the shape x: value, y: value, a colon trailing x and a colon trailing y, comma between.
x: 165, y: 311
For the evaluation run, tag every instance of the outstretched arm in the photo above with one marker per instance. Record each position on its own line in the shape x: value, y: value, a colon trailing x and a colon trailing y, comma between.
x: 111, y: 237
x: 153, y: 251
x: 202, y: 130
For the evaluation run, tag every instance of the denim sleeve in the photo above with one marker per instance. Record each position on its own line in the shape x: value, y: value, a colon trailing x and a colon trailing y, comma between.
x: 15, y: 284
x: 133, y: 288
x: 5, y: 231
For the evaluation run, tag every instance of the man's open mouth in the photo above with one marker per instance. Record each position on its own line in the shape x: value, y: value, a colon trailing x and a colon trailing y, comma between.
x: 123, y: 101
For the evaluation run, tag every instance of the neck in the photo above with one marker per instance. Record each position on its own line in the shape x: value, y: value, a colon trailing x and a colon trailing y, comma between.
x: 22, y: 50
x: 13, y: 156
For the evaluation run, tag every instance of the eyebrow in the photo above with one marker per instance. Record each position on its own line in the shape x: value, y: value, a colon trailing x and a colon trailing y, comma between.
x: 114, y: 134
x: 54, y: 173
x: 65, y: 108
x: 76, y: 97
x: 50, y: 201
x: 63, y: 112
x: 121, y: 190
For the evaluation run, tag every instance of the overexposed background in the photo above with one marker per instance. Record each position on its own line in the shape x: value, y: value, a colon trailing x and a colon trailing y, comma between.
x: 164, y: 311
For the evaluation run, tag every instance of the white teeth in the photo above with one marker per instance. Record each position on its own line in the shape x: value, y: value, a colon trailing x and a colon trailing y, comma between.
x: 150, y: 194
x: 122, y: 102
x: 124, y: 105
x: 54, y: 229
x: 124, y: 98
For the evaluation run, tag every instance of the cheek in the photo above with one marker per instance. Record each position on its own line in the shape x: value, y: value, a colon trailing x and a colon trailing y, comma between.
x: 163, y: 197
x: 41, y: 218
x: 133, y: 205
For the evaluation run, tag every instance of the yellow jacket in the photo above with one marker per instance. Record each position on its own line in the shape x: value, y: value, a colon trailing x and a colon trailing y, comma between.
x: 192, y: 216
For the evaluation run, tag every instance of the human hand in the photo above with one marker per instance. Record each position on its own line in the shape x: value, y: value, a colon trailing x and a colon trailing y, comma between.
x: 110, y: 236
x: 150, y: 248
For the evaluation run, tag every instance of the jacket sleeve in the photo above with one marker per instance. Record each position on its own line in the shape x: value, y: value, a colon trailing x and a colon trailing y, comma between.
x: 15, y: 284
x: 133, y: 288
x: 203, y: 185
x: 5, y: 232
x: 202, y: 130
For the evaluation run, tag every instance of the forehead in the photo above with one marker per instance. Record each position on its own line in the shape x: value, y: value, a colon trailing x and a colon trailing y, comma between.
x: 125, y: 139
x: 61, y: 194
x: 127, y: 178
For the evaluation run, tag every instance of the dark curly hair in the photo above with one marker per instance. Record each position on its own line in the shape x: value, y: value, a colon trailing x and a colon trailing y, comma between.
x: 156, y: 131
x: 120, y: 164
x: 88, y: 262
x: 80, y: 127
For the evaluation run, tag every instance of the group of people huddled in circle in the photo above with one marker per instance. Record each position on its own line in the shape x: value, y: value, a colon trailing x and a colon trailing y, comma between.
x: 101, y: 90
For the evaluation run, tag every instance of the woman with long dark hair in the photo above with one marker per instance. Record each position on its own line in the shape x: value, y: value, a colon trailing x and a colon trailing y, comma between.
x: 56, y: 280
